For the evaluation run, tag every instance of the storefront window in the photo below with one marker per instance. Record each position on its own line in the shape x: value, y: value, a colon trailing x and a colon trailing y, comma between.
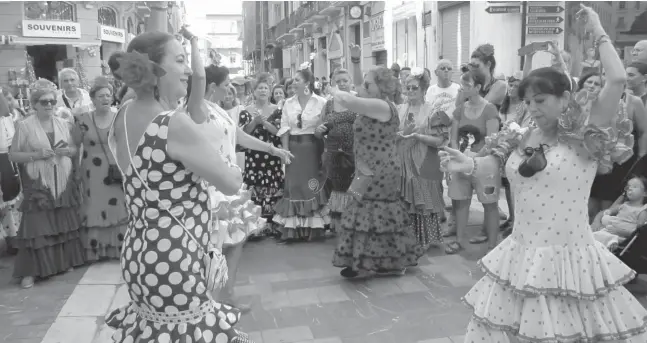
x: 50, y: 10
x: 107, y: 16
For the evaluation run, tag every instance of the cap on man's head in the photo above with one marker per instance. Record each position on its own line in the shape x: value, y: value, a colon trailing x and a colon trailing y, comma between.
x: 239, y: 81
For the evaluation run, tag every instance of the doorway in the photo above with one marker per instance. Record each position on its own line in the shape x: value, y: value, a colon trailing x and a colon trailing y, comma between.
x: 45, y: 58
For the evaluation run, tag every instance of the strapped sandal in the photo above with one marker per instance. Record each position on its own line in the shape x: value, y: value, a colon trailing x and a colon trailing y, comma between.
x: 452, y: 248
x: 480, y: 239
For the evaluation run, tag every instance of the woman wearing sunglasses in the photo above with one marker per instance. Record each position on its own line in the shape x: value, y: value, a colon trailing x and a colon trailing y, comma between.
x: 551, y: 281
x: 302, y: 212
x: 50, y: 238
x: 422, y: 132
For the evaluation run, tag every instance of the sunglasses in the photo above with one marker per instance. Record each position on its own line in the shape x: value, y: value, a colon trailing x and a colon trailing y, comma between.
x: 473, y: 65
x: 412, y: 88
x: 51, y: 102
x: 445, y: 68
x: 300, y: 120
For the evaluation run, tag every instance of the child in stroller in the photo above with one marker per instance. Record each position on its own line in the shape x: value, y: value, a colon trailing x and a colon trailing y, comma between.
x: 620, y: 222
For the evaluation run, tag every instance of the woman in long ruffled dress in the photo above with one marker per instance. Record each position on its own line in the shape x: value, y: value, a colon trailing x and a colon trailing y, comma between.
x: 338, y: 157
x: 422, y: 133
x: 50, y: 238
x: 236, y: 217
x: 263, y: 171
x: 375, y: 236
x: 551, y: 281
x: 163, y: 261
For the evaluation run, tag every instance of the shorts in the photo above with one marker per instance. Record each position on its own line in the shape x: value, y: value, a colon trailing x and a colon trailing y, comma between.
x: 461, y: 187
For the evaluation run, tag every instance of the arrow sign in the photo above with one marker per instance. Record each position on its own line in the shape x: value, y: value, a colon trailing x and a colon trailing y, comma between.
x: 503, y: 9
x: 543, y: 20
x: 545, y: 30
x: 545, y: 9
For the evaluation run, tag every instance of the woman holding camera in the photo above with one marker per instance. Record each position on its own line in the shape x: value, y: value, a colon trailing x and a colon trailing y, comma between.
x: 103, y: 211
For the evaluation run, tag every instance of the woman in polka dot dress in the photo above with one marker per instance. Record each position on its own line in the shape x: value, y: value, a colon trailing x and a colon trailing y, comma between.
x: 103, y: 211
x: 168, y: 203
x: 551, y: 281
x: 263, y: 172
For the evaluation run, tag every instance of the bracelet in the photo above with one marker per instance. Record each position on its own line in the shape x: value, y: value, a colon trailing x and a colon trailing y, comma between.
x: 602, y: 39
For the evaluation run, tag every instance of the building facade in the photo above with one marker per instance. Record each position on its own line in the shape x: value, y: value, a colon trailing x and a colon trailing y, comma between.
x: 53, y: 35
x: 224, y: 31
x: 280, y: 36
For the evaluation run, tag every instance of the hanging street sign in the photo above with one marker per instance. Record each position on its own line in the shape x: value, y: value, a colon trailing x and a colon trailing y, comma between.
x: 545, y: 9
x: 503, y: 9
x: 542, y: 30
x: 545, y: 20
x: 505, y: 2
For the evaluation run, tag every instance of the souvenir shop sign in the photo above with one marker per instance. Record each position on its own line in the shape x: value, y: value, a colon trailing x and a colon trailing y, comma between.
x: 377, y: 32
x: 51, y: 29
x: 112, y: 34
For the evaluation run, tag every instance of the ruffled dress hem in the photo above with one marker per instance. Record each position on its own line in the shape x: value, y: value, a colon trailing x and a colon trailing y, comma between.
x: 105, y: 241
x: 235, y: 217
x: 295, y: 214
x: 216, y: 325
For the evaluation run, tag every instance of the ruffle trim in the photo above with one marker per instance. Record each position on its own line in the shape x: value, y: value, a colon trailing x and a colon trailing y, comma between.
x: 586, y: 273
x: 215, y: 326
x: 46, y: 228
x: 287, y: 207
x: 10, y: 203
x: 422, y: 195
x: 338, y: 201
x: 235, y: 217
x: 377, y: 217
x: 551, y: 319
x: 607, y: 145
x: 317, y: 220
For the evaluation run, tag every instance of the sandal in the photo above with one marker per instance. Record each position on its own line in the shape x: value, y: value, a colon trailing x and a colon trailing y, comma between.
x: 452, y: 248
x: 480, y: 239
x: 506, y: 224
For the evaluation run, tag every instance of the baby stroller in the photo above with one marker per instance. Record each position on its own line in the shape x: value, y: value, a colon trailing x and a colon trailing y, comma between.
x: 633, y: 251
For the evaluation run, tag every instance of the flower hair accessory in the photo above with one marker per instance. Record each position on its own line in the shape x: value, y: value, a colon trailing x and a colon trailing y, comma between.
x: 138, y: 71
x: 417, y: 71
x: 486, y: 49
x: 43, y: 84
x: 304, y: 65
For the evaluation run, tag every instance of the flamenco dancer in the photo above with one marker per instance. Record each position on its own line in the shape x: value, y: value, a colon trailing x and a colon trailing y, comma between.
x: 237, y: 216
x: 164, y: 262
x: 551, y: 281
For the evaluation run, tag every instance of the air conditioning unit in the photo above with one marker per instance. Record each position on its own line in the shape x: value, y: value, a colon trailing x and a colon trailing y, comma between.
x: 11, y: 39
x: 3, y: 40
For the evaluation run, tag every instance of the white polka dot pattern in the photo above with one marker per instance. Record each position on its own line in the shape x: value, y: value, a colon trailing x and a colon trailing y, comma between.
x: 550, y: 281
x: 165, y: 274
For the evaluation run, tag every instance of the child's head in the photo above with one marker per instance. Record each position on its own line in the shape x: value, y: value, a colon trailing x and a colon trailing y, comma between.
x: 636, y: 189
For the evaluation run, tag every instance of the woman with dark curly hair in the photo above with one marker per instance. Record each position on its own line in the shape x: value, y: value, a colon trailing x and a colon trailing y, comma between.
x: 376, y: 236
x: 168, y: 261
x: 302, y: 212
x: 422, y: 132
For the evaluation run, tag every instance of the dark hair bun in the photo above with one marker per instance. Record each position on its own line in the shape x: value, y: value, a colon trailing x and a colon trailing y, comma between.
x: 113, y: 63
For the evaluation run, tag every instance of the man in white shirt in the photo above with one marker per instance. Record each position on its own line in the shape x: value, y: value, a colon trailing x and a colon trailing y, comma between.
x: 639, y: 52
x: 71, y: 100
x: 442, y: 95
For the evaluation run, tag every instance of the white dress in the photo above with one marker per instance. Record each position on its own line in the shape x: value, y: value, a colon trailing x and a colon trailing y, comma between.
x: 551, y: 281
x: 235, y: 217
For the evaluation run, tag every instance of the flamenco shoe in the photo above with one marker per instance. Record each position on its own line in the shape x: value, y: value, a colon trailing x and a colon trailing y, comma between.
x: 349, y: 273
x: 27, y: 282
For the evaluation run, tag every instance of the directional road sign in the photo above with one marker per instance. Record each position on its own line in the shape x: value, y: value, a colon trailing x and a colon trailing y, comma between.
x: 542, y: 30
x: 544, y: 20
x: 545, y: 9
x: 503, y: 9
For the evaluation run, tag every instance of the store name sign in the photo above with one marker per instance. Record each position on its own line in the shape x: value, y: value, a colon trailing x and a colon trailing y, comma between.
x: 112, y: 34
x: 51, y: 29
x: 377, y: 32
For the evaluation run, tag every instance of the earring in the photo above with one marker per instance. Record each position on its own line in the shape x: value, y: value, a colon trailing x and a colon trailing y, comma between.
x: 306, y: 91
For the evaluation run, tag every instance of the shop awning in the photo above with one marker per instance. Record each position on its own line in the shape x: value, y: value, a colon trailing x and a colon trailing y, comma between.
x: 56, y: 41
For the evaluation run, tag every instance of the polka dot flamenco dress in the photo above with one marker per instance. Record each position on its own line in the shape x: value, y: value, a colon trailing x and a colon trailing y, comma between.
x: 161, y: 264
x: 551, y: 281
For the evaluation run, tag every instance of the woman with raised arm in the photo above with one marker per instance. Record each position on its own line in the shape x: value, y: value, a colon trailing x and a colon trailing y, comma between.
x: 168, y: 263
x: 375, y: 235
x: 551, y: 281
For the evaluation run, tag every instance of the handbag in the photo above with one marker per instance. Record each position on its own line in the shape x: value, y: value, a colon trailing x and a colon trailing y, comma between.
x: 114, y: 174
x: 215, y: 263
x: 361, y: 181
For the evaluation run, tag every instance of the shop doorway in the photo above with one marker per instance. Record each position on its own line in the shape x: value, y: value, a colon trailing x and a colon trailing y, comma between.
x: 44, y: 58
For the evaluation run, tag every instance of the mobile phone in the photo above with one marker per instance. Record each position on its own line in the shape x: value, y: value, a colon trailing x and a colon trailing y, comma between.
x: 541, y: 46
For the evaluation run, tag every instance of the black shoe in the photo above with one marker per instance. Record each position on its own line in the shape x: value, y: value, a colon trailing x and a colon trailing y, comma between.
x: 348, y: 272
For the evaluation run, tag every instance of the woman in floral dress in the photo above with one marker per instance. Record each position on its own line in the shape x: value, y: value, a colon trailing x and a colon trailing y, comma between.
x: 103, y: 211
x: 551, y: 281
x: 376, y: 234
x: 338, y: 157
x: 263, y: 171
